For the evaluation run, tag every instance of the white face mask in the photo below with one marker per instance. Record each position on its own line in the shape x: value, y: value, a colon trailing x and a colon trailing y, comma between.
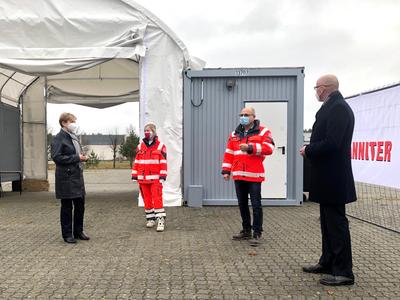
x: 72, y: 127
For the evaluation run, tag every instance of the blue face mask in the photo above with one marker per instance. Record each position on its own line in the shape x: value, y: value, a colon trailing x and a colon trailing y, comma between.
x: 244, y: 120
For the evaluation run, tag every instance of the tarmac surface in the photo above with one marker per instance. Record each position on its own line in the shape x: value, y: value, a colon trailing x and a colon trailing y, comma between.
x: 194, y: 258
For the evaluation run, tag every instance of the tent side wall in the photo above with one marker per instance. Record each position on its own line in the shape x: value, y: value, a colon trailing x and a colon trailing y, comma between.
x: 161, y: 102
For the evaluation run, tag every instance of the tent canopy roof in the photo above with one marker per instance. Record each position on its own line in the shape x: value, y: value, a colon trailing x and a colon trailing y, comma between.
x: 51, y: 37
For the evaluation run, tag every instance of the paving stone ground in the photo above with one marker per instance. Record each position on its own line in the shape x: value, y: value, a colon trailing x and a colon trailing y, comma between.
x: 194, y: 258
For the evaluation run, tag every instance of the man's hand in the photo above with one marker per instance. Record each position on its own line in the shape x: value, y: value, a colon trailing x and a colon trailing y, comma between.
x: 83, y: 157
x: 303, y: 151
x: 226, y: 177
x: 244, y: 147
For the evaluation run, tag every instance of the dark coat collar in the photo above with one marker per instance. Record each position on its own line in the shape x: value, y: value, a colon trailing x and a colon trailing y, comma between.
x: 254, y: 130
x: 146, y: 142
x: 336, y: 95
x: 333, y: 98
x: 64, y: 134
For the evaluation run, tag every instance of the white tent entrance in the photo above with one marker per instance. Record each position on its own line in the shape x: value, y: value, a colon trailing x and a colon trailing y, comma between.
x: 97, y: 53
x: 107, y: 84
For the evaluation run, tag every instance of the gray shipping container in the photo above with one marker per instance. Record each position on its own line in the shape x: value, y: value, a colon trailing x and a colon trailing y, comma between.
x: 213, y: 99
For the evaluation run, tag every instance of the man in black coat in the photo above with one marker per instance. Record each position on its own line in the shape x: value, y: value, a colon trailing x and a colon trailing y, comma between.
x: 70, y: 186
x: 332, y: 182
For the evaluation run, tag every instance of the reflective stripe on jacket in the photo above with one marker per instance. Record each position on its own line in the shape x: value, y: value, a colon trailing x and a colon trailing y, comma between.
x: 150, y: 162
x: 248, y: 165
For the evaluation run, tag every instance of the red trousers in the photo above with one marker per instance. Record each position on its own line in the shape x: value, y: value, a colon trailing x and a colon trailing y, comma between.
x: 152, y: 198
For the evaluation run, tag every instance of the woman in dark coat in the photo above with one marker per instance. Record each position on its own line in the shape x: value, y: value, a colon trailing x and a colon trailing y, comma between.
x: 66, y: 152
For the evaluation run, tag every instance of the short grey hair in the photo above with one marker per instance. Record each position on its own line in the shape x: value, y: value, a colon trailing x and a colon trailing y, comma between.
x: 252, y: 110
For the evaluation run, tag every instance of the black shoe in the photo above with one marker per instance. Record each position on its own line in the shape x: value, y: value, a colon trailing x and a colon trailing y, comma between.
x: 70, y: 240
x: 317, y: 269
x: 255, y: 240
x: 243, y: 235
x: 81, y: 236
x: 337, y: 280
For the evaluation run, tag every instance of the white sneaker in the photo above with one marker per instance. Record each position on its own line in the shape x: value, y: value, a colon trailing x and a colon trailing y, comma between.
x: 150, y: 223
x: 160, y: 224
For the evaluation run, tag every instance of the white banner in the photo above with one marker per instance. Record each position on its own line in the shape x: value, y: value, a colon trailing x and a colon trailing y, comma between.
x: 376, y: 140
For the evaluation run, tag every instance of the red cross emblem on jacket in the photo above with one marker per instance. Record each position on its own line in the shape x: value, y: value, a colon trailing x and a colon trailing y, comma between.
x: 248, y: 165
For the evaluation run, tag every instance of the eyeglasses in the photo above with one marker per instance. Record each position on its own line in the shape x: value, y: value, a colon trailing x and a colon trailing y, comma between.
x: 318, y: 86
x: 245, y: 115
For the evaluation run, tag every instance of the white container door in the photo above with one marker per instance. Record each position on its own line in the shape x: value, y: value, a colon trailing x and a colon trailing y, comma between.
x: 273, y: 115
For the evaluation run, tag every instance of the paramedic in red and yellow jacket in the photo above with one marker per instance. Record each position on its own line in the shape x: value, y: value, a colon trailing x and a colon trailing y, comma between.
x: 245, y: 152
x: 150, y: 170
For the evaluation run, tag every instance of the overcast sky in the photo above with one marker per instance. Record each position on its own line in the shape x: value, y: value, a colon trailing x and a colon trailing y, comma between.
x: 359, y: 41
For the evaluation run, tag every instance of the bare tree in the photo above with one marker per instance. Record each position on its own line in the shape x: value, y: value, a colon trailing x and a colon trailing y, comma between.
x: 114, y: 144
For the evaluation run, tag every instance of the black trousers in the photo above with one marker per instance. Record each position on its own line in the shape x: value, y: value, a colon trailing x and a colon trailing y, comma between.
x: 71, y: 216
x: 243, y: 190
x: 336, y: 243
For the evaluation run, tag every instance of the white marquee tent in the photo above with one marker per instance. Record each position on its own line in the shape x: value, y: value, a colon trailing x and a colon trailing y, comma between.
x: 97, y: 53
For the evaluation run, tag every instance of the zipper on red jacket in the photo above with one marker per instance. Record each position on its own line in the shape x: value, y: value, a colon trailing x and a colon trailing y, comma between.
x: 244, y: 170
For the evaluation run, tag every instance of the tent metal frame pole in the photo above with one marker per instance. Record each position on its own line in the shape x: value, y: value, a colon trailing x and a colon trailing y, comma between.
x: 21, y: 137
x: 45, y: 126
x: 4, y: 84
x: 92, y: 78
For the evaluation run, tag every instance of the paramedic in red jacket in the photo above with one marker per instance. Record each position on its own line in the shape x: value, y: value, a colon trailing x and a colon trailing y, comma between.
x: 243, y: 160
x: 150, y: 170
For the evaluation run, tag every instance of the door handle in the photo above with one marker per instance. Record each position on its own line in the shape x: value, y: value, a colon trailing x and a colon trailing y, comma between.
x: 283, y: 149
